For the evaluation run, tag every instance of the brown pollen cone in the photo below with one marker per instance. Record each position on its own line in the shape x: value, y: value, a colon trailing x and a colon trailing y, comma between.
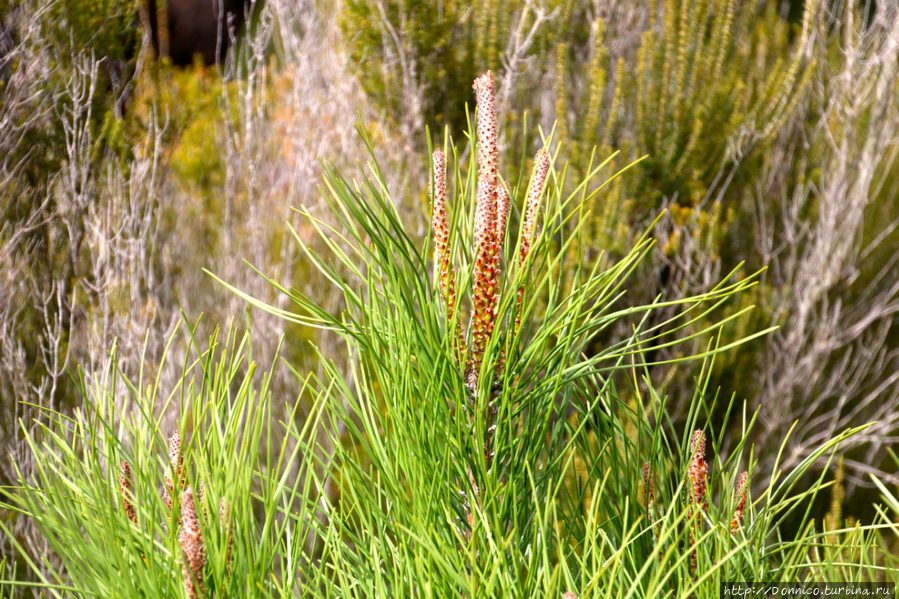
x: 125, y: 486
x: 538, y: 183
x: 176, y: 461
x: 529, y: 228
x: 740, y: 497
x: 444, y: 265
x: 648, y: 485
x: 441, y: 233
x: 191, y: 539
x: 698, y: 470
x: 484, y: 294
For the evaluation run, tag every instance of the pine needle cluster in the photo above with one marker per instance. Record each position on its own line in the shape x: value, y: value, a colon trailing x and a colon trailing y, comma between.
x: 494, y: 460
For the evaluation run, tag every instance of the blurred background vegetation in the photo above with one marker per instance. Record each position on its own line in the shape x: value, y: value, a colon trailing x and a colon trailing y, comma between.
x: 770, y: 131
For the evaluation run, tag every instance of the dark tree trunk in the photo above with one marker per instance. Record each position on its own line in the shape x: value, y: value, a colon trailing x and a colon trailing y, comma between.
x: 193, y: 27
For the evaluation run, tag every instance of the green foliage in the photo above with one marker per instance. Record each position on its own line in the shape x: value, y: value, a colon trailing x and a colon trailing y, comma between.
x: 395, y: 45
x: 731, y: 105
x: 106, y: 27
x: 703, y: 89
x: 701, y: 71
x: 194, y: 96
x: 703, y: 96
x: 255, y: 491
x: 386, y: 490
x: 557, y: 505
